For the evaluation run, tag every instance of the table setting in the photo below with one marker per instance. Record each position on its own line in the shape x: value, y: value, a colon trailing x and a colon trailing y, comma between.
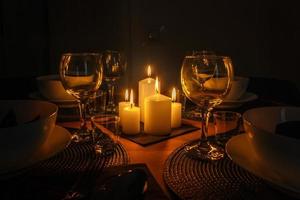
x: 75, y: 138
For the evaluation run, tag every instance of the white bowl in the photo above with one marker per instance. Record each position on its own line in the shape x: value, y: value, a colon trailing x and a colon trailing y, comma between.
x: 239, y: 86
x: 35, y: 121
x: 51, y: 88
x: 282, y: 151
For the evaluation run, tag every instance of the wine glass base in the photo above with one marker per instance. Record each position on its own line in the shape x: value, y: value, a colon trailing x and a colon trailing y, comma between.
x: 105, y: 149
x: 204, y: 151
x: 104, y: 145
x: 82, y: 136
x: 110, y: 109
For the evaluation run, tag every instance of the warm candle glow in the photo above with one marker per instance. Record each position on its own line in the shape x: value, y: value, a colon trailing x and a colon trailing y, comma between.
x: 173, y: 95
x: 176, y: 111
x: 122, y: 105
x: 149, y: 71
x: 131, y: 118
x: 131, y: 98
x: 126, y: 95
x: 156, y: 86
x: 157, y: 114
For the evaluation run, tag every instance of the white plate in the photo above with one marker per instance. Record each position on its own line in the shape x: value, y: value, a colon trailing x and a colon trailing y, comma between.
x: 240, y: 151
x: 248, y: 96
x: 59, y: 102
x: 56, y: 142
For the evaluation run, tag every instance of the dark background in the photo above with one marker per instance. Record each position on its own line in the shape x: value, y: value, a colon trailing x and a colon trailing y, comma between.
x: 261, y: 37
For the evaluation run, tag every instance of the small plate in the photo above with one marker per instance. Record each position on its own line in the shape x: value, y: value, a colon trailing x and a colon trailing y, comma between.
x: 240, y: 151
x: 59, y: 102
x: 227, y: 103
x: 56, y: 142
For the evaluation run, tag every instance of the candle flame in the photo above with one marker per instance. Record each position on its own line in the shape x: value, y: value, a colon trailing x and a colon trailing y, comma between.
x: 131, y: 98
x: 149, y: 71
x: 174, y: 95
x: 156, y: 86
x: 126, y: 95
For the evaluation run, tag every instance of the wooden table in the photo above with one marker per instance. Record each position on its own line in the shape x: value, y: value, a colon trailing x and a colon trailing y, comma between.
x: 154, y: 156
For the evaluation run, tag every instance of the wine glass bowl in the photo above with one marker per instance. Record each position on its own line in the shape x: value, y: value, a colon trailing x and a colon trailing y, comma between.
x: 81, y: 76
x: 206, y: 80
x: 114, y: 66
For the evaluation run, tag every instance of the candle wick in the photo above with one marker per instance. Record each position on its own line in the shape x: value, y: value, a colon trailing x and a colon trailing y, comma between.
x: 131, y: 105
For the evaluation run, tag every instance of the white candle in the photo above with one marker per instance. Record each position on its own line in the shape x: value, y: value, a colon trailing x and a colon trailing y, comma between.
x: 131, y: 118
x: 176, y: 111
x: 157, y: 114
x: 122, y: 105
x: 146, y: 88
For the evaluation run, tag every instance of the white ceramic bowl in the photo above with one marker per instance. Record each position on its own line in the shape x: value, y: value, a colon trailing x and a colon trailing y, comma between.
x: 51, y: 88
x: 35, y: 121
x: 239, y: 86
x: 282, y: 151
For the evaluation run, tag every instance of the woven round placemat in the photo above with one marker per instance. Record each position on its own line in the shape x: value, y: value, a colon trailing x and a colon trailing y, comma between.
x: 77, y: 166
x: 77, y: 157
x: 194, y: 179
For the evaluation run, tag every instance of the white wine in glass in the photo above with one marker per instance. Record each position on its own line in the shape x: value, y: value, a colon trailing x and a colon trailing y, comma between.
x: 81, y: 76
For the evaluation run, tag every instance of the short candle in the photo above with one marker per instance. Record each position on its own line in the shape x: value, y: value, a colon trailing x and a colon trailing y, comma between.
x: 176, y: 111
x: 122, y: 105
x: 157, y: 113
x: 131, y: 118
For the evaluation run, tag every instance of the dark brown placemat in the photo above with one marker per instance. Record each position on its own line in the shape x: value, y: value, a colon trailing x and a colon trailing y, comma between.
x: 52, y: 178
x: 194, y: 179
x: 144, y: 139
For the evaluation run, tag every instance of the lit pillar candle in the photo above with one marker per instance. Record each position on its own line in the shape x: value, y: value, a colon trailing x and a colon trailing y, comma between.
x: 176, y: 111
x: 146, y: 88
x: 157, y: 113
x: 122, y: 105
x: 131, y: 118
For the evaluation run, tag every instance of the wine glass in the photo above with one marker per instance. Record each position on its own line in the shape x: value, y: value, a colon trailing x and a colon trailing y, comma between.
x: 114, y: 65
x: 108, y: 143
x: 81, y: 76
x: 206, y: 80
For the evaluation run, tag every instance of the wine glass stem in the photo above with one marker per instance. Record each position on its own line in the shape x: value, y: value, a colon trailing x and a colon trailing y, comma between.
x: 82, y: 110
x: 111, y: 93
x: 204, y: 128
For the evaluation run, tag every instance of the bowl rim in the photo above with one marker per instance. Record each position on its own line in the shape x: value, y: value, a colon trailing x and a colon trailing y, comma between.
x: 35, y: 121
x: 245, y: 120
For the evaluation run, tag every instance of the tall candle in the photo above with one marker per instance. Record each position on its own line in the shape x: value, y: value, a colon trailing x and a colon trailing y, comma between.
x: 157, y: 113
x: 146, y: 88
x: 176, y: 111
x: 122, y: 105
x: 131, y: 120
